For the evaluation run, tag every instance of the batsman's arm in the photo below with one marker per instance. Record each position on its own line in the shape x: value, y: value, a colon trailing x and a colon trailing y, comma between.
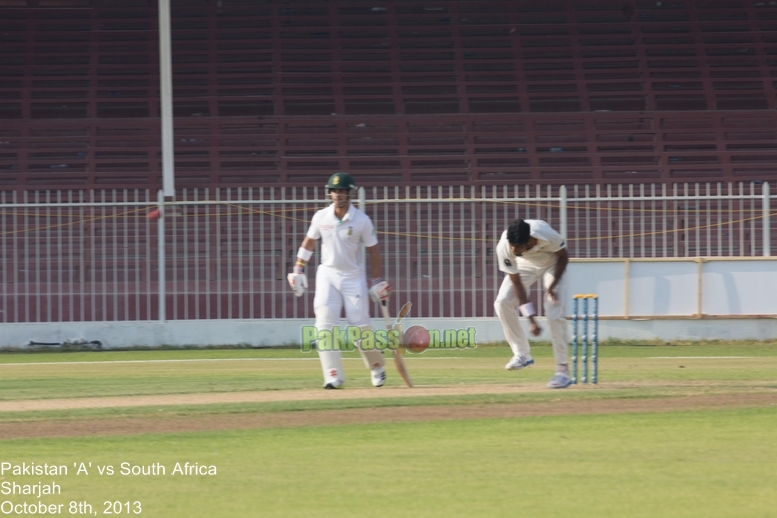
x: 297, y: 278
x: 309, y: 245
x: 374, y: 261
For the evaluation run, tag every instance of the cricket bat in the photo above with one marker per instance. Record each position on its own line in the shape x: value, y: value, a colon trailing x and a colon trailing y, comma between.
x: 398, y: 361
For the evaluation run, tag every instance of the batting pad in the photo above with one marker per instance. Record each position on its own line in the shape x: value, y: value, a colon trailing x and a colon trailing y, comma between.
x: 331, y: 361
x: 373, y: 359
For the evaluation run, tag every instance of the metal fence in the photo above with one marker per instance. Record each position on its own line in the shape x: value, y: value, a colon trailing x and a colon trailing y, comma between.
x: 89, y: 256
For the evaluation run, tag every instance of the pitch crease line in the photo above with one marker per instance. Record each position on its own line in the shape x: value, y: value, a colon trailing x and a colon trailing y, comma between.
x: 702, y: 357
x: 103, y: 362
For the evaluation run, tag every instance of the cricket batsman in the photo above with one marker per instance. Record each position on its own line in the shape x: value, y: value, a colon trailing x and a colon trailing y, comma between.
x: 341, y: 277
x: 530, y: 250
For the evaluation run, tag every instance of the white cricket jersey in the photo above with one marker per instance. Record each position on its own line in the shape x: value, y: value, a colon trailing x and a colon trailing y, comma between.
x: 542, y: 254
x: 342, y: 240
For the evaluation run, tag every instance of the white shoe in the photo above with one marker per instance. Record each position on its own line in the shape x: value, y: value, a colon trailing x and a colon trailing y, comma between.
x: 559, y: 380
x: 518, y: 362
x: 336, y: 384
x: 378, y: 376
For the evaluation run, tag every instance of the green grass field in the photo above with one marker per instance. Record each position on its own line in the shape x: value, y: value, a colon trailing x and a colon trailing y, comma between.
x: 636, y: 446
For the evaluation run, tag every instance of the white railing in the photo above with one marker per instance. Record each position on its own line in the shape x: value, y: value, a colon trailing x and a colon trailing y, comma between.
x: 95, y: 257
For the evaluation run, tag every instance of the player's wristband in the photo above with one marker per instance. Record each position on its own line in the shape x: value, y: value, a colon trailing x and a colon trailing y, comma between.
x: 298, y: 268
x: 376, y: 280
x: 304, y: 254
x: 527, y: 309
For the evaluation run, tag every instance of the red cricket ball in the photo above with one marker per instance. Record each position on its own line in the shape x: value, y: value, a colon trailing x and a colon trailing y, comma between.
x: 417, y: 339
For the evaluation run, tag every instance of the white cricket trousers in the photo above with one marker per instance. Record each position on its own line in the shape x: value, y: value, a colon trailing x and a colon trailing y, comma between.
x: 333, y: 293
x: 506, y: 306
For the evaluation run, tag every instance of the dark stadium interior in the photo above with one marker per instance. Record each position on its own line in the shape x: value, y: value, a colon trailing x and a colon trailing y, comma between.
x: 438, y: 99
x: 412, y: 92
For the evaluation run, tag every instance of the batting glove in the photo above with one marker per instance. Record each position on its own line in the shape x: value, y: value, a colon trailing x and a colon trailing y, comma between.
x: 298, y: 283
x: 380, y: 291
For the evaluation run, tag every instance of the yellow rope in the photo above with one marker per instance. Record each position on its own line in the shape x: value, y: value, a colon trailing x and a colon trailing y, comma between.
x: 556, y: 205
x: 70, y: 223
x: 244, y: 210
x: 687, y: 229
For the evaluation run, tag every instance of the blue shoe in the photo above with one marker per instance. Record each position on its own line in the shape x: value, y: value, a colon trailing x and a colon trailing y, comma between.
x: 559, y: 380
x: 519, y: 362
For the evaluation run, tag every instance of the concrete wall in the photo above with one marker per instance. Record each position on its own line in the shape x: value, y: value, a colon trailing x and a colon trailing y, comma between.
x: 692, y: 287
x: 646, y: 299
x: 263, y: 333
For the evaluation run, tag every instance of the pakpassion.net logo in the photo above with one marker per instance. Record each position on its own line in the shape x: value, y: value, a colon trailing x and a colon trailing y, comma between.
x: 416, y: 339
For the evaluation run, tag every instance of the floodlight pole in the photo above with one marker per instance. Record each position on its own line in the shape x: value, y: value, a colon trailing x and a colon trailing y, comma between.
x: 166, y: 98
x: 362, y: 206
x: 162, y: 291
x: 166, y: 121
x: 563, y: 211
x: 766, y: 221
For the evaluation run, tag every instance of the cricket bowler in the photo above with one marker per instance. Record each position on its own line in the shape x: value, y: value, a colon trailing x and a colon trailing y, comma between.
x: 530, y: 250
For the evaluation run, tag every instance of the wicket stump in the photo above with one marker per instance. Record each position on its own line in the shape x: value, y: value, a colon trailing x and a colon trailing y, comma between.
x: 588, y: 342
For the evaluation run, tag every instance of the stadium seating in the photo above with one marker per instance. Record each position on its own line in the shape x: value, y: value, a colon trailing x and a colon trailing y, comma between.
x: 459, y: 92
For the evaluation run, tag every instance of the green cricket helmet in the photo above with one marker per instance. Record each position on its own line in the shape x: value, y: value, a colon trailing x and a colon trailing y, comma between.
x: 341, y: 181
